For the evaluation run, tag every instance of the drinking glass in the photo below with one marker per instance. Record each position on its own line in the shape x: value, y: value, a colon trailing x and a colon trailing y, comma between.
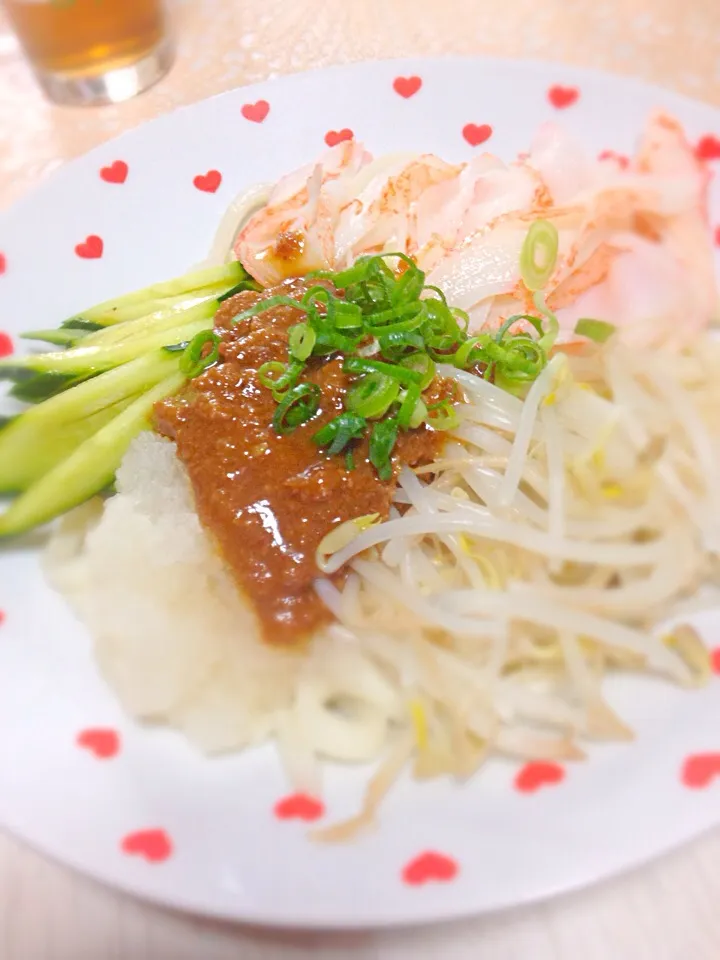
x: 93, y: 51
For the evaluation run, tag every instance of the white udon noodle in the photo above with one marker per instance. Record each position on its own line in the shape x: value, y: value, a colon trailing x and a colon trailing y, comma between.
x: 539, y: 554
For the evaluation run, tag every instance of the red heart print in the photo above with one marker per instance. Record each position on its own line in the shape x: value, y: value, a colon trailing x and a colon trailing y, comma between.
x: 299, y: 806
x: 101, y: 741
x: 91, y: 248
x: 2, y: 617
x: 715, y: 660
x: 334, y: 137
x: 708, y: 148
x: 208, y: 182
x: 622, y: 161
x: 538, y: 774
x: 700, y: 769
x: 3, y: 264
x: 428, y: 867
x: 6, y: 350
x: 475, y: 134
x: 717, y: 236
x: 407, y: 86
x: 562, y: 97
x: 154, y: 845
x: 116, y: 173
x: 255, y: 111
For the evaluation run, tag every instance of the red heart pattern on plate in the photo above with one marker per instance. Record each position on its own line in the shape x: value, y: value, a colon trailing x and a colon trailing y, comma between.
x: 299, y: 806
x: 407, y: 86
x: 153, y: 845
x: 700, y: 769
x: 334, y: 137
x: 102, y: 741
x: 255, y: 111
x: 537, y: 774
x: 208, y: 182
x: 708, y: 148
x: 622, y: 161
x: 475, y: 133
x: 429, y: 867
x: 115, y: 173
x: 91, y: 248
x: 562, y: 97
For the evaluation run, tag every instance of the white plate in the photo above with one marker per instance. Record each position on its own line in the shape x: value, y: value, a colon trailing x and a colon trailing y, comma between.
x: 153, y: 817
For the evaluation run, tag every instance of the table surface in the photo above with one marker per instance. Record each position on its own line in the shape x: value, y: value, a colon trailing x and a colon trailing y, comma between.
x: 664, y: 911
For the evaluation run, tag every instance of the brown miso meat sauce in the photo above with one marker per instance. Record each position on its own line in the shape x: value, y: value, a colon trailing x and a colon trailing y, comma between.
x: 269, y: 500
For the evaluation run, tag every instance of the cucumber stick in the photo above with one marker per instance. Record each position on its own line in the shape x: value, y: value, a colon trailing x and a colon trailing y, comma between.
x: 59, y: 338
x: 140, y: 302
x: 89, y: 469
x: 157, y: 322
x: 84, y: 361
x: 41, y: 436
x: 19, y: 474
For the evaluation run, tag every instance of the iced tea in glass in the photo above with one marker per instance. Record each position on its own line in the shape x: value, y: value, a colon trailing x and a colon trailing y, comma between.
x: 93, y: 51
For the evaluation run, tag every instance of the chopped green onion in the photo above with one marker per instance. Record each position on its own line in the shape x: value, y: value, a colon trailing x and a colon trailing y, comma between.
x: 349, y: 460
x: 301, y: 340
x: 597, y: 330
x: 287, y: 379
x: 264, y: 305
x: 382, y: 440
x: 539, y: 254
x: 421, y: 364
x: 511, y: 321
x: 299, y: 405
x: 266, y: 371
x: 409, y: 403
x: 194, y: 359
x: 247, y: 283
x: 337, y: 434
x: 389, y: 330
x: 371, y: 396
x: 549, y: 337
x: 392, y: 345
x: 442, y: 416
x: 395, y: 372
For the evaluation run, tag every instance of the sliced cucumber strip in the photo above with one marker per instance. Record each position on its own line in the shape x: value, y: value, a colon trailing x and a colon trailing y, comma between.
x: 88, y: 470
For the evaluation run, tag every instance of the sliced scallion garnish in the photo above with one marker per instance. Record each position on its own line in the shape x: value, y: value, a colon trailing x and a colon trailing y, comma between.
x: 539, y: 254
x: 597, y: 330
x: 196, y: 357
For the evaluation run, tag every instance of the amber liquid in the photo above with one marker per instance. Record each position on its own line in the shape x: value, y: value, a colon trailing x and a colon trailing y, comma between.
x: 87, y: 36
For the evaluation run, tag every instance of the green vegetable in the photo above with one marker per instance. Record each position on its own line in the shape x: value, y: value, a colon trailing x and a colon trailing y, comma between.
x: 382, y: 441
x: 389, y: 329
x: 88, y: 470
x: 301, y: 340
x: 42, y: 436
x: 597, y: 330
x: 373, y: 395
x: 539, y: 254
x: 60, y: 337
x: 299, y: 405
x: 159, y: 321
x: 93, y: 397
x: 196, y: 358
x: 159, y: 296
x: 85, y: 360
x: 341, y: 431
